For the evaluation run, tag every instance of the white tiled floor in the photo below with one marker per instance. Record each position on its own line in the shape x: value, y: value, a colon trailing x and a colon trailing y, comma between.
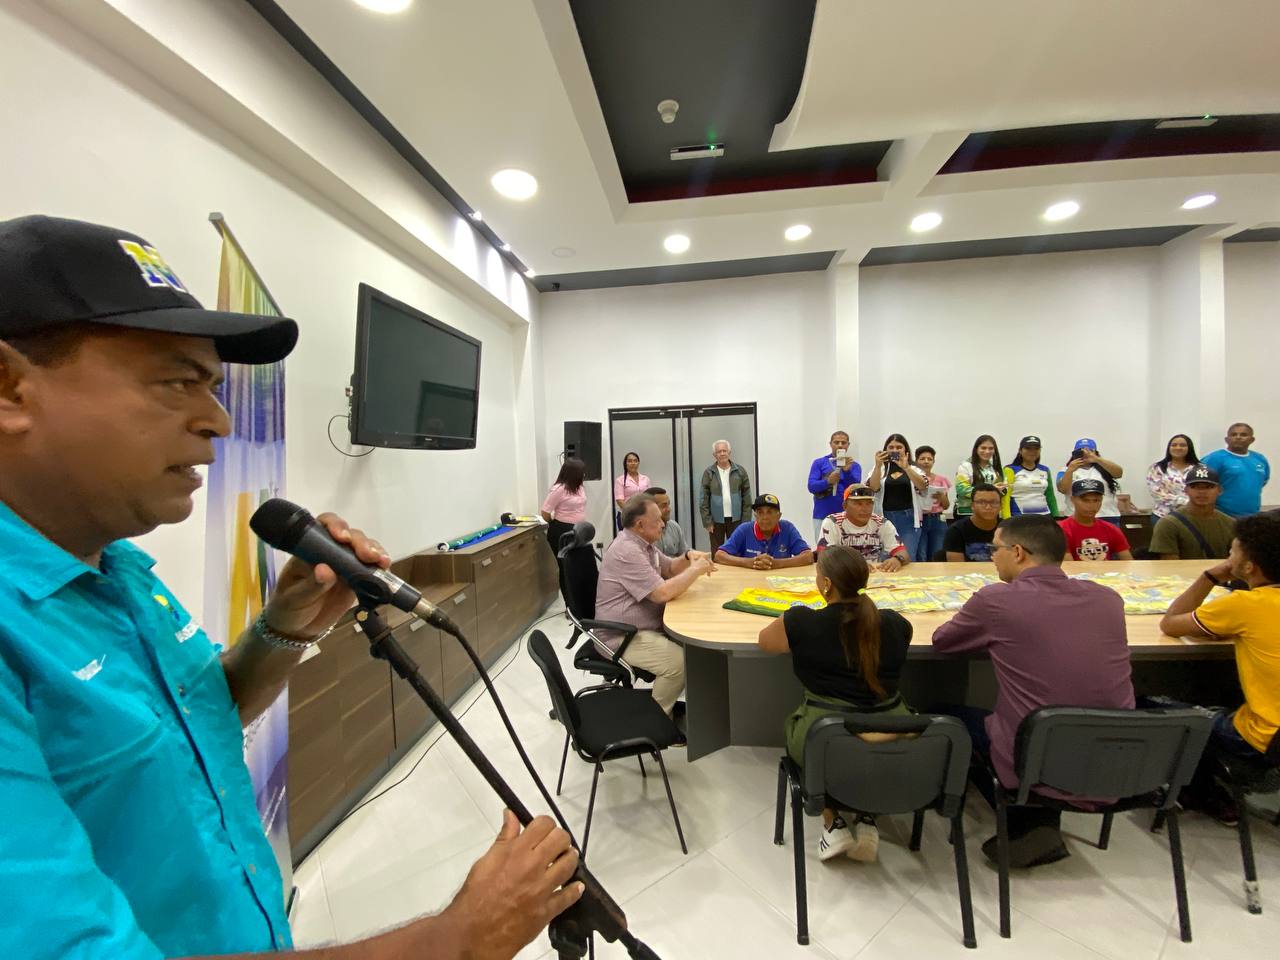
x: 733, y: 896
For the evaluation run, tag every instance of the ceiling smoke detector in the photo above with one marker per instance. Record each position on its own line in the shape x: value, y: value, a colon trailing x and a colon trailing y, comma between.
x: 667, y: 110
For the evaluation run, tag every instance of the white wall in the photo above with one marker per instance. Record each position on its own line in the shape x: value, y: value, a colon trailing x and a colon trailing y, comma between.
x: 1253, y: 343
x: 761, y: 339
x: 1053, y: 345
x: 91, y: 138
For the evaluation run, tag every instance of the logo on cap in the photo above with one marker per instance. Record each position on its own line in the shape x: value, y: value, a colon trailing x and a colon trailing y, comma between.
x: 155, y: 271
x: 1202, y: 474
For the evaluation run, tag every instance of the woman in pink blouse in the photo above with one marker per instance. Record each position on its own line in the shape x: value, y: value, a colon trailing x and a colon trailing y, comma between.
x: 631, y: 482
x: 1166, y: 478
x: 565, y: 505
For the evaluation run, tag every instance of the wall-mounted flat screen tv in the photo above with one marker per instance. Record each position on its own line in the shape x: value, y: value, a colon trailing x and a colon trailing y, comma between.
x: 416, y: 384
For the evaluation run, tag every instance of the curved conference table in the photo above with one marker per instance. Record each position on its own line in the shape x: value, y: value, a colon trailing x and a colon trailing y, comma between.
x: 738, y: 695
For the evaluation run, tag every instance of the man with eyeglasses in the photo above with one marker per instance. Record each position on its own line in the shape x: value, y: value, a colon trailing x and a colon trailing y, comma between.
x: 1053, y: 640
x: 970, y: 538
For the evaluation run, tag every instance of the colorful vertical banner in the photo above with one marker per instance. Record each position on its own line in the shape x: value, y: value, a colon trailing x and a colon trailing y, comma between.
x: 240, y: 571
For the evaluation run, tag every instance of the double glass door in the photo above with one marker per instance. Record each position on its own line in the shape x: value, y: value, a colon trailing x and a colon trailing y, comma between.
x: 674, y: 444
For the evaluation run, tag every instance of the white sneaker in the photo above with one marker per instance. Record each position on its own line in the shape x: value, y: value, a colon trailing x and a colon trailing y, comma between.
x: 835, y: 840
x: 866, y: 840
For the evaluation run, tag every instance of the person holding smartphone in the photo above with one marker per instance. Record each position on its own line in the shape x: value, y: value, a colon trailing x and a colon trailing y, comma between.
x: 1085, y: 464
x: 828, y: 475
x: 900, y: 488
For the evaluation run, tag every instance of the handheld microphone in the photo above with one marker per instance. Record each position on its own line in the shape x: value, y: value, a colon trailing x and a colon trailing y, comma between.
x: 289, y: 527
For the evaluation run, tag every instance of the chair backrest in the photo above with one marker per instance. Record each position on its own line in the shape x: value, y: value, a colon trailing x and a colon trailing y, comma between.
x: 1091, y: 752
x: 581, y: 535
x: 578, y: 560
x: 561, y: 696
x: 893, y: 776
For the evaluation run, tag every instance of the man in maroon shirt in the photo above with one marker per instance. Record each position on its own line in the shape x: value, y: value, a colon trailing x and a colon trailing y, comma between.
x: 1053, y: 641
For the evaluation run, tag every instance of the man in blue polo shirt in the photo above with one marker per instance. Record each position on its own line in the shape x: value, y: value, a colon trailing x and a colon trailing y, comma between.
x: 767, y: 544
x: 828, y: 476
x: 129, y: 824
x: 1242, y: 473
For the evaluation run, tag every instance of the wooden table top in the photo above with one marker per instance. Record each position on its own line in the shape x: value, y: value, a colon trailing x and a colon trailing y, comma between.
x: 698, y: 616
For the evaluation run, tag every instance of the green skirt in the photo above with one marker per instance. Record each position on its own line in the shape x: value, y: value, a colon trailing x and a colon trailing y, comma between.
x: 813, y: 708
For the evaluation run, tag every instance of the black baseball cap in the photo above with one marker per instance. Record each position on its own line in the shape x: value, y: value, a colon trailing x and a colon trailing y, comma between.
x: 1202, y: 474
x: 766, y: 500
x: 1029, y: 441
x: 1087, y: 485
x: 55, y: 272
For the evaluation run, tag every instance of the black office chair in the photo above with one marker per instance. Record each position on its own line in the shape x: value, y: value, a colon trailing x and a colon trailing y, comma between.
x: 847, y: 773
x: 578, y: 560
x: 606, y: 722
x: 1143, y: 758
x: 1243, y: 776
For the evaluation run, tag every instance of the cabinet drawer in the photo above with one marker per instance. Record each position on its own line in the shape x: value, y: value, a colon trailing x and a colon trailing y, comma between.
x: 315, y: 677
x: 412, y: 717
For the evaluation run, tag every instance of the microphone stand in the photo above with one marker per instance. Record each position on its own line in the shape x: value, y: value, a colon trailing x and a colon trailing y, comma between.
x: 595, y: 911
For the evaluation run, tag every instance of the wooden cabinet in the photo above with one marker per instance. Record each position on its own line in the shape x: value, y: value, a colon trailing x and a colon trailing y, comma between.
x: 350, y: 719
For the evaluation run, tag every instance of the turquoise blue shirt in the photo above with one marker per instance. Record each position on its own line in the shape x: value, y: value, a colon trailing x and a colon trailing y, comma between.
x: 1242, y: 476
x: 128, y: 827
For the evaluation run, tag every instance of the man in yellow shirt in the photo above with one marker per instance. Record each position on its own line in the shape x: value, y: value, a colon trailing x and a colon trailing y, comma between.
x: 1250, y: 619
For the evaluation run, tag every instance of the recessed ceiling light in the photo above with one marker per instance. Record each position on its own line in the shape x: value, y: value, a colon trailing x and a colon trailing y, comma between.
x: 514, y: 184
x: 475, y: 215
x: 530, y: 273
x: 506, y: 248
x: 385, y: 6
x: 1063, y: 210
x: 925, y: 221
x: 1200, y: 200
x: 797, y: 232
x: 676, y: 243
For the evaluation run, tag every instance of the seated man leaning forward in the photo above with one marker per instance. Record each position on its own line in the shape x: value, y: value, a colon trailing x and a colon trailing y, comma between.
x: 767, y: 544
x: 971, y: 537
x: 1249, y: 619
x: 1053, y: 641
x: 636, y: 581
x: 864, y: 530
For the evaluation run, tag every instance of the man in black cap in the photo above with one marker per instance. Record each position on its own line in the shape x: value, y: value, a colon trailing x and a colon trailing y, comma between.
x: 1089, y: 538
x: 130, y: 823
x: 768, y: 543
x: 1198, y: 530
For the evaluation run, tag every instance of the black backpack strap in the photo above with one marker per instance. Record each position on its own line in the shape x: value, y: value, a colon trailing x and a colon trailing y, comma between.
x: 1204, y: 544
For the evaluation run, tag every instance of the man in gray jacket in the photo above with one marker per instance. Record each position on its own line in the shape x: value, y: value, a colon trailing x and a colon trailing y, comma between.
x: 726, y: 495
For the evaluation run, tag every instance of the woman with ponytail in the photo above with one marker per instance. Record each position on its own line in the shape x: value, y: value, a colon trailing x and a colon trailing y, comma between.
x: 848, y: 656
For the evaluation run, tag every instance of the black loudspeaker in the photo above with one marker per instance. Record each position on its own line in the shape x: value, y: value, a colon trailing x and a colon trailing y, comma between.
x: 582, y: 440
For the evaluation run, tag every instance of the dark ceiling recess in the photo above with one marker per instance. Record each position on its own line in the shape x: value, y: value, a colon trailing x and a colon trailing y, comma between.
x: 684, y: 272
x: 1016, y: 246
x: 1117, y: 140
x: 1256, y: 235
x: 735, y: 68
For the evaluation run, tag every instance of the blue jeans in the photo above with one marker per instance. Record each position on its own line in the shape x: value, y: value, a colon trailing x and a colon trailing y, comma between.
x: 904, y: 521
x: 933, y: 529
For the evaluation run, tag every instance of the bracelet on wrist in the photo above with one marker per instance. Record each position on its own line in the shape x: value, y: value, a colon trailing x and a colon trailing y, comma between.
x: 278, y: 640
x: 1212, y: 579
